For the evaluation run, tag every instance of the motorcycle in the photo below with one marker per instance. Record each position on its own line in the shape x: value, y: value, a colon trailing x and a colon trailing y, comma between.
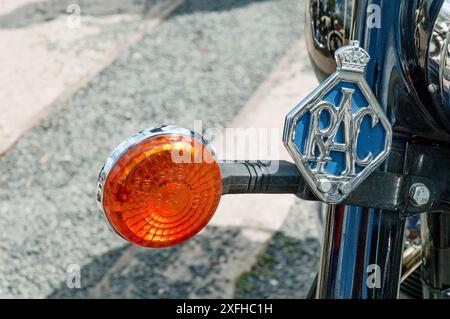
x: 372, y: 142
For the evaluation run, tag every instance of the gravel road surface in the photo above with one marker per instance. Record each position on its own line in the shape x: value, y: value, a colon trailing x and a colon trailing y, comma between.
x: 288, y: 266
x: 204, y: 62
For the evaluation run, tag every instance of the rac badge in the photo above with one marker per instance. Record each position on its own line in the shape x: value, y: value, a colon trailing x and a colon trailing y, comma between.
x: 339, y: 134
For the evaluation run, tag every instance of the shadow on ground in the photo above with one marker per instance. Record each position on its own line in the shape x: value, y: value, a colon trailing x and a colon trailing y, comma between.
x: 49, y: 10
x: 284, y: 271
x: 204, y: 267
x: 195, y: 268
x: 192, y: 6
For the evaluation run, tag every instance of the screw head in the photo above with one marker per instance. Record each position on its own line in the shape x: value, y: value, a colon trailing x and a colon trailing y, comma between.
x: 324, y: 185
x: 432, y: 88
x: 345, y: 188
x: 419, y: 194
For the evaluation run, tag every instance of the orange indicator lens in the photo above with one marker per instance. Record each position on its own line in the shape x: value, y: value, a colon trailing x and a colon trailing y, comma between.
x: 155, y: 199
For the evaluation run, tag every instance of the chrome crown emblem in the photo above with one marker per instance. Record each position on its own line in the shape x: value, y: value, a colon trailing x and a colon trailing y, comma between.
x: 339, y: 134
x: 352, y: 58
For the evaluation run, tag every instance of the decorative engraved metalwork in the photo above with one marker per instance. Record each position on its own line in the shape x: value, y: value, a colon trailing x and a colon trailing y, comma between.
x: 339, y: 134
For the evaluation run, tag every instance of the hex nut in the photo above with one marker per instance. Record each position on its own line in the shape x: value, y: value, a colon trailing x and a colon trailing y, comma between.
x: 419, y: 195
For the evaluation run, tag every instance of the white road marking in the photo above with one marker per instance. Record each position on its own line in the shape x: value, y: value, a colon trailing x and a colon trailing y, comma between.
x: 291, y: 80
x: 46, y: 62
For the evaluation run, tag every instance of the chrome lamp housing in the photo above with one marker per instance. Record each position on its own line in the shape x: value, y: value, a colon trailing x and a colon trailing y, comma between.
x: 438, y: 65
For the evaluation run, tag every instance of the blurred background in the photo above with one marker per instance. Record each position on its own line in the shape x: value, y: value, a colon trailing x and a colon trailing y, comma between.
x: 78, y: 77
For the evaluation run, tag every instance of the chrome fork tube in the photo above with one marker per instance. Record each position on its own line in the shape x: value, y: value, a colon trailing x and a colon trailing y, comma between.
x: 362, y: 247
x: 361, y: 254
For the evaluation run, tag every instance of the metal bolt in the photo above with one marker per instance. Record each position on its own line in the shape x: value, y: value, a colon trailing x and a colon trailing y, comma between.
x: 419, y: 194
x: 432, y: 88
x: 324, y: 185
x: 345, y: 188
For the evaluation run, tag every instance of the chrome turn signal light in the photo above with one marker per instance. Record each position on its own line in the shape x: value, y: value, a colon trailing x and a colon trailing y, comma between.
x: 160, y: 187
